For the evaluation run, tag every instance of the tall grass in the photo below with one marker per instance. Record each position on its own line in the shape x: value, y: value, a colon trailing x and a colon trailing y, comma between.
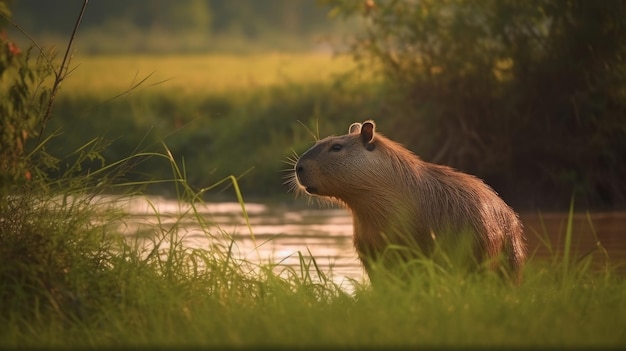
x: 72, y: 277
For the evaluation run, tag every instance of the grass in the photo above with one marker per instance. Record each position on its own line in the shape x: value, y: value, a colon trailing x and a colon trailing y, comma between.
x: 200, y: 75
x: 70, y: 278
x: 224, y: 114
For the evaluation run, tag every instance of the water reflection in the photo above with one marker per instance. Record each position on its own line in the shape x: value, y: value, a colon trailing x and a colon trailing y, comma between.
x: 279, y: 234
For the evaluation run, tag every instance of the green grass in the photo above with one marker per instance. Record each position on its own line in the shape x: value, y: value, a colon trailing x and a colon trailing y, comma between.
x: 71, y: 279
x: 223, y: 114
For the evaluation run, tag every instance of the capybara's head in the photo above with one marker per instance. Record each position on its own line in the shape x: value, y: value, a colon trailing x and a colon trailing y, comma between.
x: 342, y: 166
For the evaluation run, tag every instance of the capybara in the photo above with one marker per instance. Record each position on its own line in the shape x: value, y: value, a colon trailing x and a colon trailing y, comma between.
x: 399, y: 200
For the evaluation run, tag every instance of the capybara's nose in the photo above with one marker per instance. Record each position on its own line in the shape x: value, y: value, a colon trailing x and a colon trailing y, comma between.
x: 299, y: 169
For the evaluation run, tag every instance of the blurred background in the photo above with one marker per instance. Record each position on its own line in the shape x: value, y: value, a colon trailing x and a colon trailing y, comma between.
x: 528, y: 95
x: 188, y: 26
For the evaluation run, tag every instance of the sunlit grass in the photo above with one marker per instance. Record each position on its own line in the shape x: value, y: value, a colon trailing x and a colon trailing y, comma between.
x: 200, y: 74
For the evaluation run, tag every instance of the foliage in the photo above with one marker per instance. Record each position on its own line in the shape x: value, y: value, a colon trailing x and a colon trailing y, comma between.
x: 25, y: 108
x: 21, y: 109
x: 162, y: 26
x: 529, y: 93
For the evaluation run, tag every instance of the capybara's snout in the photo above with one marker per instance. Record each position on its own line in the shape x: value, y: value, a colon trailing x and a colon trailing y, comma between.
x: 303, y: 176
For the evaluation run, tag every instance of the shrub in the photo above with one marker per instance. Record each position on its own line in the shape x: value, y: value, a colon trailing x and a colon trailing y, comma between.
x: 21, y: 108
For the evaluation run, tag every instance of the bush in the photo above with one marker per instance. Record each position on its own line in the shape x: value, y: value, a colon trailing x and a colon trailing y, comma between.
x: 527, y: 94
x: 21, y: 109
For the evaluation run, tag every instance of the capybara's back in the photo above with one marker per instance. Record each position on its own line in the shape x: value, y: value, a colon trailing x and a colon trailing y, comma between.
x: 399, y: 200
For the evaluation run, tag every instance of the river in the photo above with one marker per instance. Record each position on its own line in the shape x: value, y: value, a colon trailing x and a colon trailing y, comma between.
x: 278, y: 234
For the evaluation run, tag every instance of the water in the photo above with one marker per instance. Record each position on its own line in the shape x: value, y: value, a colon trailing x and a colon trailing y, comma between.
x: 280, y: 234
x: 601, y: 234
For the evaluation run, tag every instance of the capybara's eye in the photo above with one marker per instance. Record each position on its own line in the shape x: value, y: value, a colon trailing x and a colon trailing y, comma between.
x: 336, y: 147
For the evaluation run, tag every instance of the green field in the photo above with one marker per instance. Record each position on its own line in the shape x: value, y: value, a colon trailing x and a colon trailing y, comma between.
x: 199, y: 75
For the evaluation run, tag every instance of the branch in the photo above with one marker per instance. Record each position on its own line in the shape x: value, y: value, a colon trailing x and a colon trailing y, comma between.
x: 62, y: 73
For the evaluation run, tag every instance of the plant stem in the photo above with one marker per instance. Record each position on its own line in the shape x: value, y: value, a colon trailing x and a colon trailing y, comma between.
x: 62, y: 73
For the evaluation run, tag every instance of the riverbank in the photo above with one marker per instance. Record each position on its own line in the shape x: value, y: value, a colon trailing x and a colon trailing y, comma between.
x: 92, y: 290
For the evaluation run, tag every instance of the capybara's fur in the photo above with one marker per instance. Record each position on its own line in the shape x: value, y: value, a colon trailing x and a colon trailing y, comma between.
x: 399, y: 200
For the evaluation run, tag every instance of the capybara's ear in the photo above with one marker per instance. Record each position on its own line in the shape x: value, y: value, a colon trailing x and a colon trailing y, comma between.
x: 354, y: 128
x: 367, y: 134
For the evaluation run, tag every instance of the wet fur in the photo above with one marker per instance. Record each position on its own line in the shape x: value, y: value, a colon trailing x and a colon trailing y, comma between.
x: 396, y: 198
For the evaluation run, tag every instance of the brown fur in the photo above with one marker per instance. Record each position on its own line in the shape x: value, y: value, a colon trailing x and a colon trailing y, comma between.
x: 396, y: 198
